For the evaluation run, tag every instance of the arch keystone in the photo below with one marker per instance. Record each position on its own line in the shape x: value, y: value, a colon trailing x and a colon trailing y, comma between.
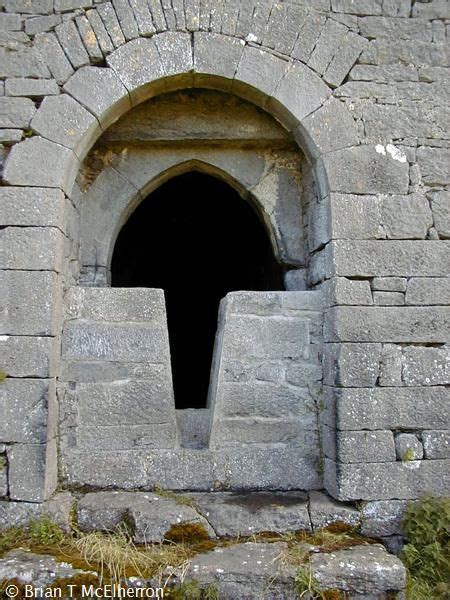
x: 216, y: 54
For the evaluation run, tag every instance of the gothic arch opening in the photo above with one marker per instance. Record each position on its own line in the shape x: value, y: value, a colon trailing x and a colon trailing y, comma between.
x: 197, y: 239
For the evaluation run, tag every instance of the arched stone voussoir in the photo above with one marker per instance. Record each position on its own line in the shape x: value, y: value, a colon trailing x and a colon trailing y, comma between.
x: 37, y: 162
x: 218, y: 55
x: 101, y: 91
x: 299, y: 93
x: 144, y: 71
x: 63, y: 120
x: 330, y: 127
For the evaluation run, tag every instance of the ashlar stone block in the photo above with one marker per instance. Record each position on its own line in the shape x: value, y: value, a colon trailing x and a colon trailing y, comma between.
x: 31, y: 248
x: 216, y: 54
x: 175, y: 51
x: 27, y: 472
x: 25, y: 356
x: 436, y: 444
x: 24, y: 410
x: 16, y: 112
x: 408, y: 447
x: 101, y: 92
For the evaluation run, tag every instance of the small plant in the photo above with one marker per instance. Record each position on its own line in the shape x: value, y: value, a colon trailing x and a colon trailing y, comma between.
x: 427, y: 555
x: 45, y: 532
x: 408, y: 455
x: 187, y: 590
x: 2, y: 462
x: 211, y: 593
x: 3, y: 376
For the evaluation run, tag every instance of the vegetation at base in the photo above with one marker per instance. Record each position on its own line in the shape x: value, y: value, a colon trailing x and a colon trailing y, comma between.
x: 3, y: 376
x: 307, y: 586
x: 408, y: 455
x: 191, y: 590
x: 427, y: 554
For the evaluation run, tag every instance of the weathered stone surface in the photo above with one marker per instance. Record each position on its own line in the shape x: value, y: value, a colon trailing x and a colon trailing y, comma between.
x: 105, y: 511
x: 39, y: 569
x: 357, y: 7
x: 237, y: 569
x: 25, y: 6
x: 341, y: 291
x: 10, y: 136
x: 38, y: 207
x: 365, y: 170
x: 382, y: 518
x: 103, y: 39
x: 89, y: 39
x: 175, y: 51
x: 70, y: 40
x: 324, y: 511
x: 329, y: 40
x: 406, y: 216
x: 396, y: 408
x: 28, y: 302
x: 126, y: 19
x: 31, y: 248
x: 52, y: 53
x: 239, y: 515
x: 389, y: 284
x: 388, y: 298
x: 436, y: 444
x: 40, y: 163
x: 143, y: 17
x: 216, y: 54
x: 436, y: 9
x: 426, y: 366
x: 408, y: 447
x: 111, y: 23
x: 101, y: 92
x: 440, y: 205
x: 33, y: 88
x: 385, y: 51
x: 41, y: 24
x: 364, y: 446
x: 66, y: 5
x: 24, y: 356
x: 433, y: 163
x: 16, y: 112
x: 383, y: 481
x: 27, y: 472
x: 3, y: 479
x: 10, y: 22
x: 193, y: 425
x: 347, y: 53
x: 308, y: 35
x: 367, y: 570
x: 286, y: 103
x: 63, y: 120
x: 17, y: 514
x: 351, y: 365
x: 138, y: 65
x: 387, y: 324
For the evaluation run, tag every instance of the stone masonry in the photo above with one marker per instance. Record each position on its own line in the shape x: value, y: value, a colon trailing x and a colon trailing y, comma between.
x: 357, y: 346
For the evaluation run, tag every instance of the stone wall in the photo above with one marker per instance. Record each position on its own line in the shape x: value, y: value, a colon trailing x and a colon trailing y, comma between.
x: 363, y: 86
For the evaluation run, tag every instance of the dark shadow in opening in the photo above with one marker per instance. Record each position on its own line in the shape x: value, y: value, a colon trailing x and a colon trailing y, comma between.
x: 197, y: 239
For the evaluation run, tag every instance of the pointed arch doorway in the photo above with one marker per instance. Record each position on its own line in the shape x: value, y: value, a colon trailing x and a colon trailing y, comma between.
x: 197, y: 239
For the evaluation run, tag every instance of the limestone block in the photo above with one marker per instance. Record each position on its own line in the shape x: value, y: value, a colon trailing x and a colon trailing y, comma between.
x: 388, y: 298
x: 216, y: 54
x: 387, y: 324
x: 387, y: 258
x: 126, y: 19
x: 389, y: 284
x: 52, y: 53
x: 302, y: 374
x: 328, y: 44
x: 428, y: 291
x: 16, y: 112
x: 24, y: 356
x: 26, y: 469
x: 262, y: 71
x: 357, y: 7
x: 17, y: 514
x: 382, y: 518
x: 63, y: 120
x: 28, y: 303
x: 33, y: 88
x: 111, y: 23
x: 153, y: 520
x: 308, y: 35
x: 89, y: 39
x: 31, y: 248
x: 329, y: 128
x: 140, y: 402
x: 115, y: 342
x: 299, y: 93
x: 391, y: 408
x: 385, y: 51
x: 426, y: 366
x: 143, y: 18
x: 433, y: 163
x: 408, y: 447
x: 365, y: 571
x: 324, y: 511
x: 406, y: 217
x: 235, y: 432
x: 351, y: 365
x: 3, y: 480
x: 10, y: 136
x: 157, y: 13
x: 436, y: 9
x: 366, y: 170
x: 101, y: 92
x: 364, y: 446
x: 38, y: 207
x: 440, y: 205
x: 24, y: 416
x: 391, y: 365
x: 138, y: 65
x: 70, y: 40
x: 436, y: 444
x: 353, y: 217
x: 10, y: 22
x: 193, y: 425
x: 389, y: 480
x: 347, y: 54
x: 38, y: 162
x: 242, y: 515
x: 175, y: 50
x: 41, y: 24
x: 105, y: 511
x: 103, y: 39
x: 295, y: 280
x: 43, y: 7
x: 117, y: 438
x: 342, y: 291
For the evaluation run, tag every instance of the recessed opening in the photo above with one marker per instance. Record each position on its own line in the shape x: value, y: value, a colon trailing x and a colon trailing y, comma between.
x: 197, y: 239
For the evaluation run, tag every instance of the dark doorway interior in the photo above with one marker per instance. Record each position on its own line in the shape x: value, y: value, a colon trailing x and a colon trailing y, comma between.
x: 197, y: 239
